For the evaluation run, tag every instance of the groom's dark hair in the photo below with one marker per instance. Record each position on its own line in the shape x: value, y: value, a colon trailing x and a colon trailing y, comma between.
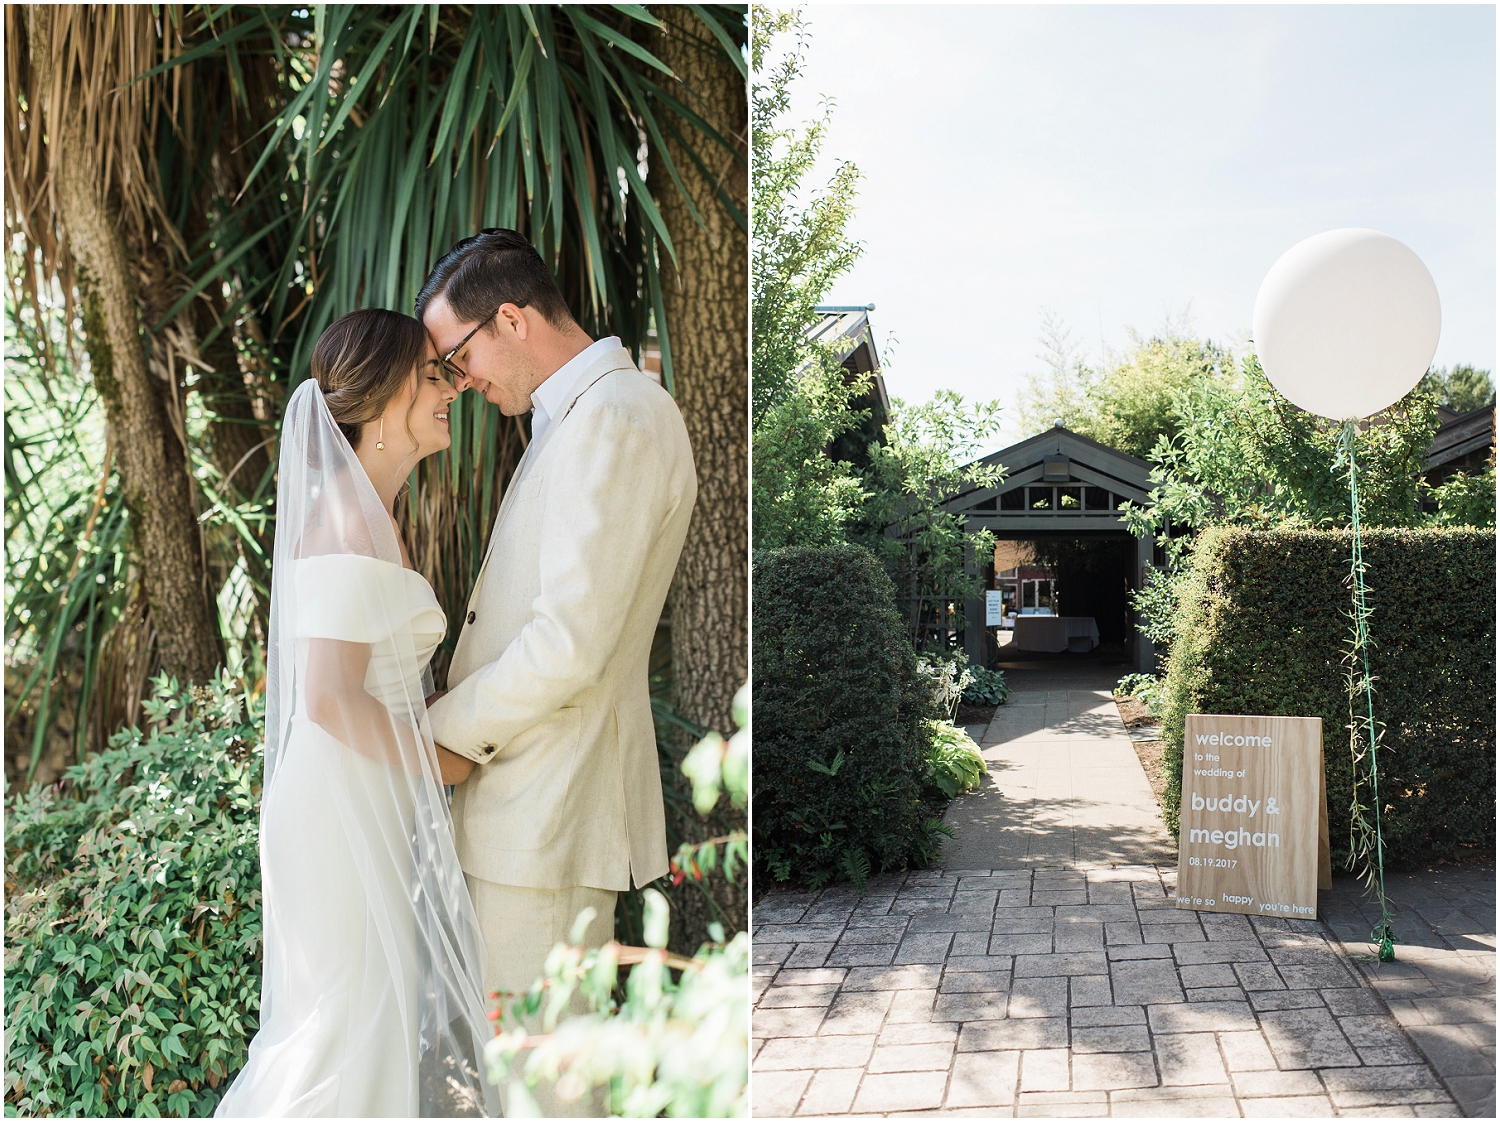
x: 491, y: 268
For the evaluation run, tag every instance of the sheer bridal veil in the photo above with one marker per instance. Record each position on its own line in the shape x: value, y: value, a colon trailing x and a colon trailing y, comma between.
x: 372, y: 998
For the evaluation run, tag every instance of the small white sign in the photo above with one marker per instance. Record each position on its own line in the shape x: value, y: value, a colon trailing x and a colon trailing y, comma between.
x: 994, y: 608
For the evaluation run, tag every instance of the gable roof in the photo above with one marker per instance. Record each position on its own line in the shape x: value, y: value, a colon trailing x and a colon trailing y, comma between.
x: 847, y: 328
x: 1094, y: 462
x: 1462, y: 434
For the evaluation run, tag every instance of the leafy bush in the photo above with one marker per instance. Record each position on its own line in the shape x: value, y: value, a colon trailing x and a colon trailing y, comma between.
x: 840, y: 705
x: 132, y: 966
x: 679, y: 1046
x: 675, y: 1045
x: 1467, y: 500
x: 954, y: 764
x: 930, y: 451
x: 1156, y: 605
x: 986, y: 687
x: 1144, y: 687
x: 712, y: 766
x: 1262, y: 628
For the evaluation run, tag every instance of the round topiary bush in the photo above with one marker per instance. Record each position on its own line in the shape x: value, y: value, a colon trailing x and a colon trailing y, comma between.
x: 840, y: 739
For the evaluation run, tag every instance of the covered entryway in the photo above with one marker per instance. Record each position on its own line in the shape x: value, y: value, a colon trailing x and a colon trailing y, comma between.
x: 1064, y: 490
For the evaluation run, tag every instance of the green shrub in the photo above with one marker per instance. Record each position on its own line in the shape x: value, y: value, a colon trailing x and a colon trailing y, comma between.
x: 132, y: 964
x: 1146, y: 688
x: 1155, y: 604
x: 1467, y: 500
x: 1262, y: 626
x: 987, y: 687
x: 954, y: 764
x: 839, y: 710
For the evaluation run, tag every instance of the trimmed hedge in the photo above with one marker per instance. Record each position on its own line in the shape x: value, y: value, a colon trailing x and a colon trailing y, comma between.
x: 1262, y: 627
x: 840, y: 738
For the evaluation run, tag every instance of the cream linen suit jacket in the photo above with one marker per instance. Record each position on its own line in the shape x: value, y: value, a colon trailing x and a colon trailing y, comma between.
x: 548, y: 687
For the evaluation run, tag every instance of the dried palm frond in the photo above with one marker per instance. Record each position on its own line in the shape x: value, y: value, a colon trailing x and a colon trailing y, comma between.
x: 72, y: 70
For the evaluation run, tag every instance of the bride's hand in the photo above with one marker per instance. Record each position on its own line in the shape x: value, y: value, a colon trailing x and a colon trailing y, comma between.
x: 453, y: 767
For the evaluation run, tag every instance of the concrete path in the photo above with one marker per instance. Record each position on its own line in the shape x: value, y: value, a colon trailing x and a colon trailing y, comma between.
x: 1065, y: 788
x: 1441, y: 987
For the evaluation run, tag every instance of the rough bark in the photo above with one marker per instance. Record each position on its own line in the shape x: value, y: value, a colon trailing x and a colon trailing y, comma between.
x: 151, y: 461
x: 706, y: 295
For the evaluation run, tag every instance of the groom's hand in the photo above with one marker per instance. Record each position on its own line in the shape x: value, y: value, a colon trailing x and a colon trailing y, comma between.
x: 434, y: 696
x: 453, y: 767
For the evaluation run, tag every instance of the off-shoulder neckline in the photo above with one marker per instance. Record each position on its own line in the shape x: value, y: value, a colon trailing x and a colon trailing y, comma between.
x: 362, y: 557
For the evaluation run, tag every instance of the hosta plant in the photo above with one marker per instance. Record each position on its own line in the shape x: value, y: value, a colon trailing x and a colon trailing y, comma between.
x: 949, y: 674
x: 954, y: 763
x: 986, y: 687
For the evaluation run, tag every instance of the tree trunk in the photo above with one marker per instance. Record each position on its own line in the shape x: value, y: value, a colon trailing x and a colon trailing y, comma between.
x: 150, y: 456
x: 707, y: 310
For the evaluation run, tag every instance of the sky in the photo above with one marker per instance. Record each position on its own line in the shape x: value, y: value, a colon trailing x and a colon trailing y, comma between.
x: 1115, y: 166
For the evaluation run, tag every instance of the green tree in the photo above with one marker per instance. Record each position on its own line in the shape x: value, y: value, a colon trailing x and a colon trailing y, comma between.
x: 1133, y: 400
x: 930, y: 454
x: 800, y: 394
x: 1128, y: 401
x: 1462, y: 389
x: 1062, y: 391
x: 704, y: 292
x: 1246, y: 456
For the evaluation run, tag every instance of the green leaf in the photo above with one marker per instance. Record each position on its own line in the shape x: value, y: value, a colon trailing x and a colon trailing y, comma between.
x: 732, y: 50
x: 828, y: 769
x: 615, y: 39
x: 203, y: 50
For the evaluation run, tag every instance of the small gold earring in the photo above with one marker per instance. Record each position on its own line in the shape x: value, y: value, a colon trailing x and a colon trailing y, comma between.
x: 380, y: 441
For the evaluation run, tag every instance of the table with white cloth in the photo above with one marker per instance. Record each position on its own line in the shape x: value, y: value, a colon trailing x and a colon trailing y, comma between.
x: 1053, y: 633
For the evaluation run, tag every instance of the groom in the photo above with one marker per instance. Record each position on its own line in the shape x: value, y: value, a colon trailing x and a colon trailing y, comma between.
x: 547, y: 697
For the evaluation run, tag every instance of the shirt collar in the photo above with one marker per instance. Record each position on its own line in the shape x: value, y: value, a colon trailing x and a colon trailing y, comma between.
x: 550, y: 396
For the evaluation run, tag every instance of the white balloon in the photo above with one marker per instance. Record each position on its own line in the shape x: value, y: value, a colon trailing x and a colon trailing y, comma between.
x: 1346, y: 323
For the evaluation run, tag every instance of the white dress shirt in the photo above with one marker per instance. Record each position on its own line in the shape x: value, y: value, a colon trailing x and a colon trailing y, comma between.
x: 549, y: 397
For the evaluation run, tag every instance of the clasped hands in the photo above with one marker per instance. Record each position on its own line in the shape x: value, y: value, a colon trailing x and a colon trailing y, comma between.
x: 453, y: 768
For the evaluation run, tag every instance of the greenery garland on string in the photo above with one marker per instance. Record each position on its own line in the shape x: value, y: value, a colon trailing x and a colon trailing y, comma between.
x: 1365, y: 732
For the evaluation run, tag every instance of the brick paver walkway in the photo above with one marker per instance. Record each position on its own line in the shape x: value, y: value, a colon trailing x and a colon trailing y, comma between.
x: 1442, y: 985
x: 1063, y: 984
x: 1058, y: 993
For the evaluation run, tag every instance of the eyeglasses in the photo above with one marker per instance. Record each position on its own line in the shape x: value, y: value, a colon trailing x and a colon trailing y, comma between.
x: 447, y: 359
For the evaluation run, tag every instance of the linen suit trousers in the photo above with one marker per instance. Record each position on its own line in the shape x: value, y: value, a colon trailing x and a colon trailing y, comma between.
x: 520, y: 928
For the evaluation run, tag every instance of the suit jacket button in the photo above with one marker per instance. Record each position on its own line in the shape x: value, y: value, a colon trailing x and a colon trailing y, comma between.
x: 471, y: 617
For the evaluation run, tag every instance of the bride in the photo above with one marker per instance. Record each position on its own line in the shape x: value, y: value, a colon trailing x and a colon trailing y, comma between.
x: 371, y: 1002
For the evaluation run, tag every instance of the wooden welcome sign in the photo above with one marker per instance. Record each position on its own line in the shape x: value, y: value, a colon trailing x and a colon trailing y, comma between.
x: 1254, y: 821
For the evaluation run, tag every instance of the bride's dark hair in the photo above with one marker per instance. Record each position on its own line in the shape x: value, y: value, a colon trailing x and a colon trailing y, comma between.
x: 362, y: 360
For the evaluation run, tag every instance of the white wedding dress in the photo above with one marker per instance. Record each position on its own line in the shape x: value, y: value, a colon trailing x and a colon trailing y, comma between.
x: 371, y: 1001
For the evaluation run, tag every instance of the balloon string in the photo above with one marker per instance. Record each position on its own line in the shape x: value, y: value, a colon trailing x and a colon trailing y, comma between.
x: 1382, y: 935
